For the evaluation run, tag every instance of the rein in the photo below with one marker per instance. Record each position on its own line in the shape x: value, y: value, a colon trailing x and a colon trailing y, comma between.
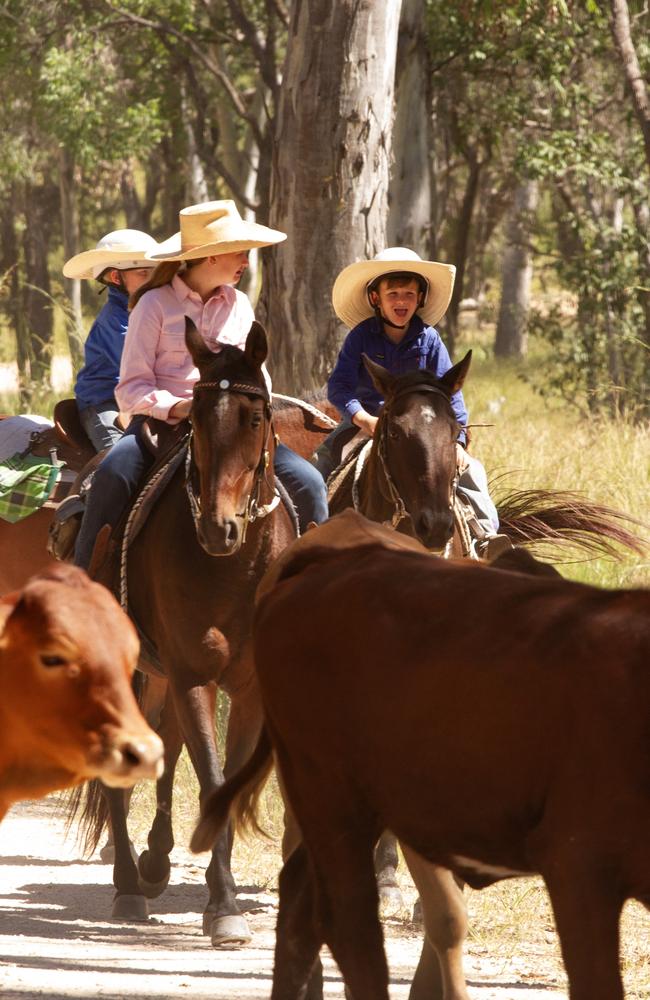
x: 400, y: 513
x: 253, y: 509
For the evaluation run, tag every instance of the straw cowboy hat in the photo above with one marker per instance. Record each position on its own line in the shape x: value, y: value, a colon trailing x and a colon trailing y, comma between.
x: 213, y: 228
x: 350, y: 294
x: 123, y: 249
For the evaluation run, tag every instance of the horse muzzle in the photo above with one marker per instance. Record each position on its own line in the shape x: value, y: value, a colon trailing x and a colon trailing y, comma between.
x: 433, y: 528
x: 220, y: 538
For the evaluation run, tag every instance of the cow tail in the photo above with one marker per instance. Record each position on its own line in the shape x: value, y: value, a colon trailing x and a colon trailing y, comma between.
x: 240, y: 795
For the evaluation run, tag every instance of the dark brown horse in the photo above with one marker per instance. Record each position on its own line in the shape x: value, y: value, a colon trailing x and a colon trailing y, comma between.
x: 192, y: 574
x: 551, y: 679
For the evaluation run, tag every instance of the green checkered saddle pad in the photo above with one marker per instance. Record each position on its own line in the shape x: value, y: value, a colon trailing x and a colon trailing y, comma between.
x: 26, y: 482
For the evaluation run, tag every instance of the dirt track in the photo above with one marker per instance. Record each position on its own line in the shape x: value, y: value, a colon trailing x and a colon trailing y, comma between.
x: 56, y: 940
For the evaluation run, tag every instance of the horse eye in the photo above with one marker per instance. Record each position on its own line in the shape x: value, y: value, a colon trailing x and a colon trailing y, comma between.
x: 392, y: 433
x: 52, y: 660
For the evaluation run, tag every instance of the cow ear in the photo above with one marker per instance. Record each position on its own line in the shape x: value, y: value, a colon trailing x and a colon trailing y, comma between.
x: 453, y: 380
x: 7, y: 605
x: 382, y: 379
x: 257, y: 346
x: 196, y: 345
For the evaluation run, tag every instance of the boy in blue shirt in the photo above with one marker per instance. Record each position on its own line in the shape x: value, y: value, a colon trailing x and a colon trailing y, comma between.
x: 392, y: 304
x: 118, y: 262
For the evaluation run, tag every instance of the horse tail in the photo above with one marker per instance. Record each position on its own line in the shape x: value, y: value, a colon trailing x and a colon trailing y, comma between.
x: 562, y: 518
x: 86, y: 804
x: 240, y: 795
x: 87, y: 807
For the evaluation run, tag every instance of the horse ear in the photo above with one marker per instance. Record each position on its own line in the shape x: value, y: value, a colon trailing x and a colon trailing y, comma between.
x: 454, y: 379
x: 257, y: 346
x: 196, y: 345
x: 382, y: 379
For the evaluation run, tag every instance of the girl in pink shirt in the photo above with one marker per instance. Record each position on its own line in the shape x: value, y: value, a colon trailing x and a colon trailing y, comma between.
x: 157, y: 373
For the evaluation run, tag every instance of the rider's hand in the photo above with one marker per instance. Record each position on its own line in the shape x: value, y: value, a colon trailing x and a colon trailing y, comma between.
x: 365, y: 422
x: 181, y: 410
x: 462, y: 461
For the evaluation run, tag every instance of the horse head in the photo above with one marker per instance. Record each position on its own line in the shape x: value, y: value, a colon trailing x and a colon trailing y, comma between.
x: 413, y: 462
x: 230, y: 464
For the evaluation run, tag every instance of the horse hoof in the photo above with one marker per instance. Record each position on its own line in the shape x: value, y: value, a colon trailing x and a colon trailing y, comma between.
x: 391, y: 901
x: 149, y: 885
x: 229, y: 932
x: 129, y: 907
x: 153, y: 889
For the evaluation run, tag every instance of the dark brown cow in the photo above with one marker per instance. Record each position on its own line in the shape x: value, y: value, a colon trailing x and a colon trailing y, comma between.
x: 68, y: 713
x: 521, y: 706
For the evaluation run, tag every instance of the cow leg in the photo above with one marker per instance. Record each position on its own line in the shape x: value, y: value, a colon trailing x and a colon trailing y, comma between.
x: 195, y: 709
x: 391, y: 901
x: 440, y: 970
x: 348, y: 910
x: 297, y: 973
x: 129, y: 903
x: 587, y: 914
x: 154, y: 866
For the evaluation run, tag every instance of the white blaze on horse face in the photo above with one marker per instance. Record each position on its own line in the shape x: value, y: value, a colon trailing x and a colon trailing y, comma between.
x: 428, y: 414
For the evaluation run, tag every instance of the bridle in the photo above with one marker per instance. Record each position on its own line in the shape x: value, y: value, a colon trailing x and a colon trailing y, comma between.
x: 400, y: 513
x: 253, y: 509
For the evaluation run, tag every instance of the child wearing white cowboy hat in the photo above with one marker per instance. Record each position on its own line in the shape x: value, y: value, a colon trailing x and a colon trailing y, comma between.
x: 118, y: 262
x: 392, y: 304
x: 197, y: 270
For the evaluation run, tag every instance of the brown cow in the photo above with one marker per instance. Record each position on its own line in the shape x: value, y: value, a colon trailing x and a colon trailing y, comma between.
x: 68, y: 713
x: 498, y: 723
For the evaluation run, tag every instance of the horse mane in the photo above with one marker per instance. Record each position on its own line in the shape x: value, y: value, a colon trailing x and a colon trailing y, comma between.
x: 420, y: 376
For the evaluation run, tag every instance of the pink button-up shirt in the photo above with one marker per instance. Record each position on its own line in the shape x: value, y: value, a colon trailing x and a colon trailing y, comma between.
x: 157, y: 370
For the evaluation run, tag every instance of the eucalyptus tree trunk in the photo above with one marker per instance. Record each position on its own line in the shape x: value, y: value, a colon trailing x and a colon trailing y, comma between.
x: 511, y: 338
x: 70, y: 228
x: 410, y: 193
x: 38, y: 298
x: 620, y: 25
x: 330, y: 172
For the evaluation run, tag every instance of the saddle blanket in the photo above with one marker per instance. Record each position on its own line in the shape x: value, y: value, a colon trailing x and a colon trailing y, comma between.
x: 26, y: 482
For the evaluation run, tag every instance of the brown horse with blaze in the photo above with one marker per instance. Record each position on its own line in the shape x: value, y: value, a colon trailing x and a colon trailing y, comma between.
x: 68, y: 713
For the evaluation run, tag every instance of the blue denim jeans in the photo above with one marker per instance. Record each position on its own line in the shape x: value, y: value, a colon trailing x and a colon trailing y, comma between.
x: 99, y: 424
x: 114, y: 483
x: 305, y: 485
x: 118, y: 474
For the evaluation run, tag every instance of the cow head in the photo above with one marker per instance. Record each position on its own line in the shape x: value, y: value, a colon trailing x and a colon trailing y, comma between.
x: 68, y: 712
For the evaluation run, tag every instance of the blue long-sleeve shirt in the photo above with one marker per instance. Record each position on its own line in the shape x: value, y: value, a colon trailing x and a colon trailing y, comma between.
x: 97, y: 379
x: 350, y: 387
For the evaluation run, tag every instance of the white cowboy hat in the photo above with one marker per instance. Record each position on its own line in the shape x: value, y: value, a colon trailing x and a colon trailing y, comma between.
x: 213, y: 228
x: 123, y: 249
x: 350, y: 292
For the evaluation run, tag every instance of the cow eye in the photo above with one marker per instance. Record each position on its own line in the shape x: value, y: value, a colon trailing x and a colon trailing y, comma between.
x: 52, y: 660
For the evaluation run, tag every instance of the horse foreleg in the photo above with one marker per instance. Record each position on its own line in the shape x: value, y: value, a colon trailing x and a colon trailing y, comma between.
x: 129, y: 903
x: 439, y: 975
x: 154, y: 865
x: 391, y: 901
x: 195, y: 708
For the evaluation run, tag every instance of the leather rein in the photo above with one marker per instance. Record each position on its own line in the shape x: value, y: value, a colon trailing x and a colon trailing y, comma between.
x: 253, y: 509
x: 400, y: 513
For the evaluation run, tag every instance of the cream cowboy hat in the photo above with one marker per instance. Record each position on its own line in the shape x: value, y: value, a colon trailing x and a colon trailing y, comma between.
x: 123, y: 249
x: 350, y: 292
x: 213, y: 228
